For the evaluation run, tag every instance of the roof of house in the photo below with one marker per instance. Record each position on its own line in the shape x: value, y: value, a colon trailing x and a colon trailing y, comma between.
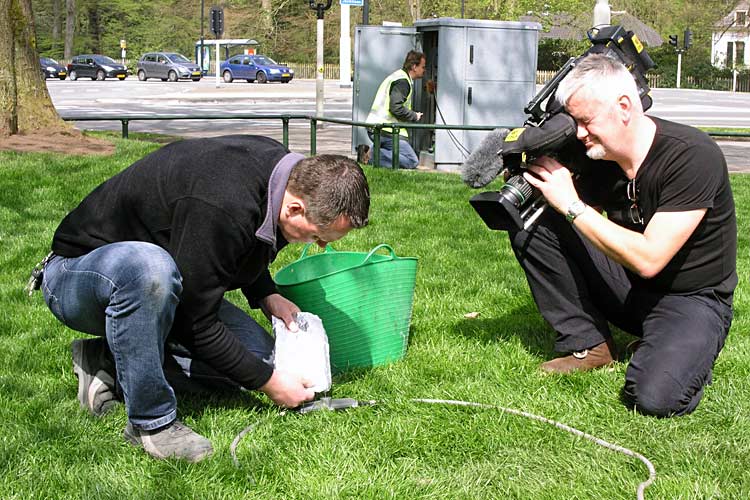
x: 730, y: 18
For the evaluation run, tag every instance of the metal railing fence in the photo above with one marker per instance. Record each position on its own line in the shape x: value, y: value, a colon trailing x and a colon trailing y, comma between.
x: 378, y: 129
x: 285, y: 120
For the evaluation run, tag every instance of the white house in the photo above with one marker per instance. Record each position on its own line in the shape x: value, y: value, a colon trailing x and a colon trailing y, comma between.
x: 730, y: 38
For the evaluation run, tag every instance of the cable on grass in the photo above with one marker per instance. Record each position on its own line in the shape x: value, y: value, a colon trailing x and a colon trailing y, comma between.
x: 601, y: 442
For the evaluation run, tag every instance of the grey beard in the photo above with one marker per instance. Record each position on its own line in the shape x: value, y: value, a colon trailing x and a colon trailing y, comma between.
x: 596, y: 152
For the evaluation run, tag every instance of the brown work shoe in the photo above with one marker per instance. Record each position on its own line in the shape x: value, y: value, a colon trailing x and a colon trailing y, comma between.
x: 588, y: 359
x: 175, y: 440
x: 363, y: 154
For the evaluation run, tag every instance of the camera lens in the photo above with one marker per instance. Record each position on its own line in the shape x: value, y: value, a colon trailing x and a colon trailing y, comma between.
x: 516, y: 190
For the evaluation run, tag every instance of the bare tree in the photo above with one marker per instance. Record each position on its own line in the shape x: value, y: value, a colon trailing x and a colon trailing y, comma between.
x: 70, y: 20
x: 415, y: 10
x: 266, y: 7
x: 25, y: 104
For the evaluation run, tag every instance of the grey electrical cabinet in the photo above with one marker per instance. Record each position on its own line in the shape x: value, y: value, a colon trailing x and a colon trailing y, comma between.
x: 378, y: 52
x: 484, y: 71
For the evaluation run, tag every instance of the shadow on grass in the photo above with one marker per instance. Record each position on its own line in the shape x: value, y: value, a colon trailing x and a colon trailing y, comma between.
x: 195, y: 404
x: 519, y: 324
x: 530, y: 329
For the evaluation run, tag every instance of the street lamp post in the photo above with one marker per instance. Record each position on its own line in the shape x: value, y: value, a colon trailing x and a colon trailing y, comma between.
x: 602, y: 14
x: 320, y: 9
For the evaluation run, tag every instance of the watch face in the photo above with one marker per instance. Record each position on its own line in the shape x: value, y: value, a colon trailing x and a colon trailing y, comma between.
x: 575, y: 209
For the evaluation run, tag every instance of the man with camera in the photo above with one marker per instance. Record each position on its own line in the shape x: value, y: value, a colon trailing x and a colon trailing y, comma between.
x: 662, y: 267
x: 392, y: 104
x: 144, y: 261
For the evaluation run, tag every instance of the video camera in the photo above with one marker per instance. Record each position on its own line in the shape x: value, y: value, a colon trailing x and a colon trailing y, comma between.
x: 548, y: 130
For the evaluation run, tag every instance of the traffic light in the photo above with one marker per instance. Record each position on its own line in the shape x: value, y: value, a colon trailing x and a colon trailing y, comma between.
x: 217, y: 21
x: 688, y: 40
x: 673, y: 40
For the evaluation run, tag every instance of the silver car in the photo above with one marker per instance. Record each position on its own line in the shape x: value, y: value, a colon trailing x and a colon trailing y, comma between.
x: 167, y: 66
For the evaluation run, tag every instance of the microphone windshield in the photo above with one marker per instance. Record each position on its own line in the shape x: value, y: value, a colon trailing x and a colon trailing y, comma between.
x: 485, y: 162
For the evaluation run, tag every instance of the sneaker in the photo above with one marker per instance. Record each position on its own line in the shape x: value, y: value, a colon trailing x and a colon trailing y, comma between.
x: 588, y: 359
x: 176, y: 440
x: 363, y: 154
x: 95, y: 372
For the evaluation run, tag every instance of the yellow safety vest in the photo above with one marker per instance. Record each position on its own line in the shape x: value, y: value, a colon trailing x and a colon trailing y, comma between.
x: 380, y: 111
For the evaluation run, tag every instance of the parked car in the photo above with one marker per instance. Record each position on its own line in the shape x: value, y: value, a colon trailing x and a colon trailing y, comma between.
x: 256, y: 68
x: 167, y: 66
x: 52, y: 68
x: 96, y: 67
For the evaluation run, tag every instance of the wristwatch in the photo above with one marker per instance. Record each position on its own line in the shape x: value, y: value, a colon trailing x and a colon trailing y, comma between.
x: 574, y: 210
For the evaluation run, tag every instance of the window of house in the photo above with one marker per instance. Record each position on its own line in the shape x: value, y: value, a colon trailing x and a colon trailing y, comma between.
x: 740, y: 18
x: 735, y: 54
x: 739, y: 54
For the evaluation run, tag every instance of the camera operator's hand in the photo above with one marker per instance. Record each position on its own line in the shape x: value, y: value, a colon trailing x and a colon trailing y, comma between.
x: 554, y: 181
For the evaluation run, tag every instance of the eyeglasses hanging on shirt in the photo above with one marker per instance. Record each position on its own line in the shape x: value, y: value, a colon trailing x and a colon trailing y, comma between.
x: 634, y: 211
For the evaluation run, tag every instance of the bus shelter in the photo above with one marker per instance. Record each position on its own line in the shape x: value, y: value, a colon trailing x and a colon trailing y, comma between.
x: 217, y: 50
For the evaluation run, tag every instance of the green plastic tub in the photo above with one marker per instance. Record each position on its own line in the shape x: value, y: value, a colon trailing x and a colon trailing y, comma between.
x: 364, y: 299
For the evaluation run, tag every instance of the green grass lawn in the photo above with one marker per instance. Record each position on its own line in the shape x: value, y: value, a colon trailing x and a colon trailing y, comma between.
x: 51, y: 449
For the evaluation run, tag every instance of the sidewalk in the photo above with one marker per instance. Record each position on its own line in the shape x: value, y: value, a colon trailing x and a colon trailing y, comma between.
x: 737, y: 154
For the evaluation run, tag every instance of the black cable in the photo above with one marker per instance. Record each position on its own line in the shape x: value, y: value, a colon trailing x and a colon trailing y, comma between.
x: 461, y: 148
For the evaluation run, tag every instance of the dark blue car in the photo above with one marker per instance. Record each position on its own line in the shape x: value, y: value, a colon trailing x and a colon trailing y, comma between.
x: 52, y: 68
x: 259, y: 69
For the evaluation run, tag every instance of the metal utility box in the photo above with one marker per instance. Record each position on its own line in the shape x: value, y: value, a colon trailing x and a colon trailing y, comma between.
x: 484, y: 71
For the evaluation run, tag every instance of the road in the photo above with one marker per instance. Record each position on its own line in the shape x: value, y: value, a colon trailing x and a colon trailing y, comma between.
x: 693, y: 107
x: 131, y: 97
x: 703, y: 108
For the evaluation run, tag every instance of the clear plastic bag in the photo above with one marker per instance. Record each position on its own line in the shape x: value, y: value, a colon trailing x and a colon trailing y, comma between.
x: 304, y: 352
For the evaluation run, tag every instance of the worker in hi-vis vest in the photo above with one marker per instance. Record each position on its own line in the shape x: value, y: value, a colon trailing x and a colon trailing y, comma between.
x: 393, y: 104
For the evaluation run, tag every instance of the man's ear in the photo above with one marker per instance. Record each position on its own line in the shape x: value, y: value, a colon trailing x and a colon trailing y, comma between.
x: 294, y: 207
x: 625, y: 107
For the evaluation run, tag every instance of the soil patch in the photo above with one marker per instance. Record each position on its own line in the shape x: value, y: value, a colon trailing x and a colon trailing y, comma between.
x: 59, y: 142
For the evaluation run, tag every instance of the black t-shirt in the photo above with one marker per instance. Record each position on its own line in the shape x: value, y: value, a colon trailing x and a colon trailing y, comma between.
x: 684, y: 170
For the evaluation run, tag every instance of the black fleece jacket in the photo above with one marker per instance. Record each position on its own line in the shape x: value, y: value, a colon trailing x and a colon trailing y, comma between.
x: 205, y: 201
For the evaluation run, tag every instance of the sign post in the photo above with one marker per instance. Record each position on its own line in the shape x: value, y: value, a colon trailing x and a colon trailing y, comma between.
x: 345, y: 43
x: 123, y: 49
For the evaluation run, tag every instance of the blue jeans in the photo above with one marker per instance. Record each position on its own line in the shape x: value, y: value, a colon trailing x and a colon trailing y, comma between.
x: 407, y: 158
x: 128, y: 292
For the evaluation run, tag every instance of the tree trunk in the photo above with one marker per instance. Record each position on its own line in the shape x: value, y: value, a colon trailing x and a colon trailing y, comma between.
x: 70, y: 25
x: 266, y: 19
x: 56, y: 21
x: 95, y: 29
x: 415, y: 10
x: 8, y: 93
x: 26, y: 105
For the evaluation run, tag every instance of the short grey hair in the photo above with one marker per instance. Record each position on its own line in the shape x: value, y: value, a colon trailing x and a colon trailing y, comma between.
x: 600, y: 75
